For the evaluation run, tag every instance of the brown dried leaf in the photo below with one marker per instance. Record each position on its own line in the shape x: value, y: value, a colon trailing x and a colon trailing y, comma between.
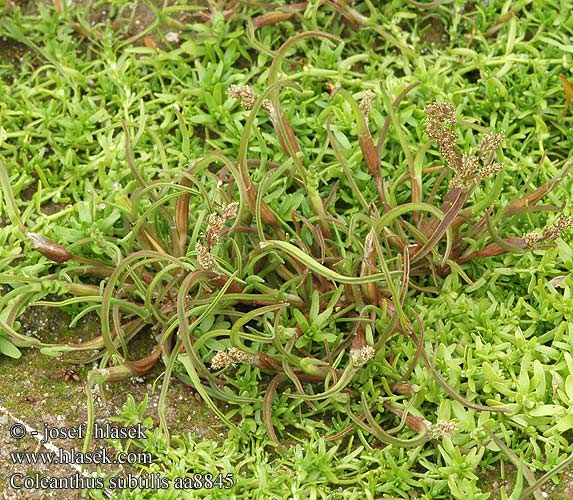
x: 456, y: 199
x: 287, y: 139
x: 369, y: 267
x: 369, y: 152
x: 149, y: 42
x: 494, y: 249
x: 49, y: 249
x: 418, y: 424
x: 152, y: 242
x: 267, y: 362
x: 556, y: 282
x: 568, y: 89
x: 536, y: 195
x: 182, y: 220
x: 403, y: 388
x: 279, y: 15
x: 498, y: 24
x: 143, y: 365
x: 271, y: 18
x: 433, y: 223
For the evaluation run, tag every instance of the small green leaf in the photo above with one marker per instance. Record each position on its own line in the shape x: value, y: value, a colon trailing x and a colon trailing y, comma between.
x: 301, y: 320
x: 314, y: 305
x: 9, y: 349
x: 565, y: 423
x: 523, y: 380
x: 546, y: 411
x: 84, y: 212
x: 520, y: 420
x: 569, y: 387
x: 538, y: 379
x: 490, y: 373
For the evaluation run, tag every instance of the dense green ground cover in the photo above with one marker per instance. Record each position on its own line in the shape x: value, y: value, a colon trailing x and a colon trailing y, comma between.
x: 498, y: 330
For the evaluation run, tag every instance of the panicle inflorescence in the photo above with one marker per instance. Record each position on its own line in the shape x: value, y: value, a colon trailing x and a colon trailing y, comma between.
x: 531, y: 239
x: 215, y: 225
x: 561, y: 224
x: 488, y: 170
x: 550, y: 233
x: 243, y: 92
x: 440, y: 114
x: 212, y: 235
x: 490, y: 142
x: 248, y: 97
x: 222, y: 359
x: 443, y: 428
x: 366, y: 104
x: 242, y: 356
x: 204, y: 257
x: 229, y: 211
x: 439, y: 127
x: 440, y: 121
x: 267, y: 105
x: 470, y: 164
x: 362, y: 354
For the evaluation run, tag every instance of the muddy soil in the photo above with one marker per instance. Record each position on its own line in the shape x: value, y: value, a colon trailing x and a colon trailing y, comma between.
x: 38, y: 391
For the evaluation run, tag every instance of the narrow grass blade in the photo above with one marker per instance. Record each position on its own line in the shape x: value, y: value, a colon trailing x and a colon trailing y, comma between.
x: 459, y: 200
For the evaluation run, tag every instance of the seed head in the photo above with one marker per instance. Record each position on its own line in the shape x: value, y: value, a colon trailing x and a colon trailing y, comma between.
x: 439, y: 127
x: 531, y: 239
x: 549, y: 233
x: 441, y: 112
x: 490, y: 142
x: 243, y: 92
x: 366, y: 104
x: 267, y: 105
x: 242, y: 356
x: 450, y: 152
x: 466, y: 172
x: 469, y: 166
x: 489, y: 170
x: 443, y: 428
x: 362, y: 354
x: 561, y: 224
x: 204, y: 258
x: 229, y: 211
x: 214, y: 229
x: 221, y: 360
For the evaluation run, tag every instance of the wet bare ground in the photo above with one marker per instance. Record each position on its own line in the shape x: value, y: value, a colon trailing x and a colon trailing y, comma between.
x: 36, y: 392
